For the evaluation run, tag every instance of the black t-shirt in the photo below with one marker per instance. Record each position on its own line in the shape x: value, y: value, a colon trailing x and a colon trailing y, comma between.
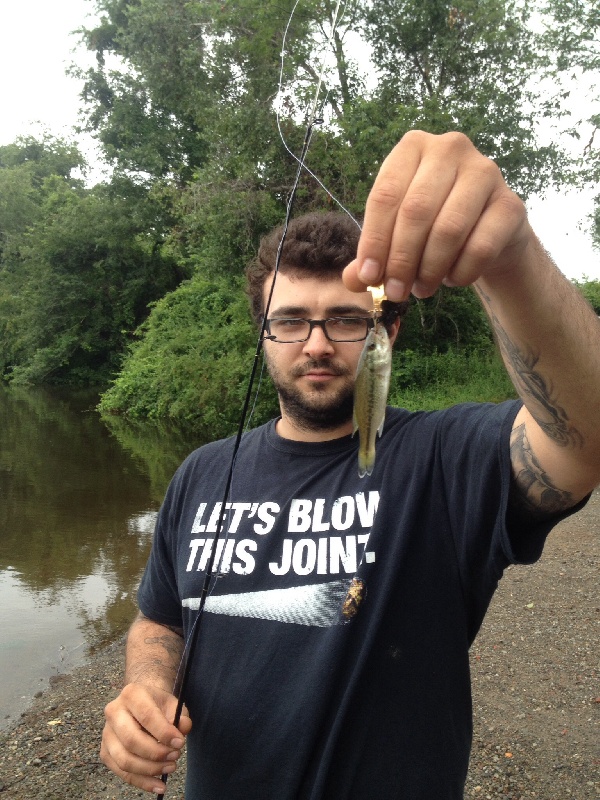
x: 332, y: 661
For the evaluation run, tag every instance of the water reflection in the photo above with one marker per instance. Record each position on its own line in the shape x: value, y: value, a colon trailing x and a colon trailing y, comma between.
x: 77, y: 508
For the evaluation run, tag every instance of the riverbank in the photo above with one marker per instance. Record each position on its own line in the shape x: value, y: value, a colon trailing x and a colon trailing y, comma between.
x: 536, y: 692
x: 52, y: 752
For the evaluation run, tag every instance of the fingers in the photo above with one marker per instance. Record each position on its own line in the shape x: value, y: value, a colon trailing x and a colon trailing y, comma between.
x: 139, y: 744
x: 460, y: 239
x: 496, y: 240
x: 439, y: 211
x: 136, y: 772
x: 407, y: 222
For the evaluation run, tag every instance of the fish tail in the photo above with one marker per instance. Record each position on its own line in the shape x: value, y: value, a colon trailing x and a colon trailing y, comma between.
x: 366, y: 461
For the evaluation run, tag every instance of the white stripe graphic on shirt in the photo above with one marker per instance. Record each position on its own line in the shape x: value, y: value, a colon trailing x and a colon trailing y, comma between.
x: 318, y: 604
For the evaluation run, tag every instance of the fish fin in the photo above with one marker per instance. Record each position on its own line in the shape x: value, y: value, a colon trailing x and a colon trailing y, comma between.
x: 354, y: 425
x: 366, y: 462
x: 380, y: 428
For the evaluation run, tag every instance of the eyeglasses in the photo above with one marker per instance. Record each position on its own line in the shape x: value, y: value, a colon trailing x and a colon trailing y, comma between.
x: 336, y: 329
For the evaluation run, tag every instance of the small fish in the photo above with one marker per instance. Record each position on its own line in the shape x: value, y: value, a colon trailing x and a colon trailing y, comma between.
x: 370, y: 395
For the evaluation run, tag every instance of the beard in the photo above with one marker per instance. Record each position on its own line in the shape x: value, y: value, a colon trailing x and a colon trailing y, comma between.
x: 321, y: 408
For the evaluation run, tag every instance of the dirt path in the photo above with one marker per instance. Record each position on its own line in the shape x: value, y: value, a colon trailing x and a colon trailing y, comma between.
x: 536, y: 674
x: 535, y: 664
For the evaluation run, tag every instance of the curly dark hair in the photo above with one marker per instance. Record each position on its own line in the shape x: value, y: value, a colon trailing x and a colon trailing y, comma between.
x: 316, y: 244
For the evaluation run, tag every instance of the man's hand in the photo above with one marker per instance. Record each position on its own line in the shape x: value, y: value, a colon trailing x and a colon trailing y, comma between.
x: 139, y: 744
x: 438, y: 212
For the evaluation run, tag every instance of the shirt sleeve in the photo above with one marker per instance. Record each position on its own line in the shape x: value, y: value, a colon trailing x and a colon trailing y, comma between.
x: 475, y: 447
x: 158, y: 597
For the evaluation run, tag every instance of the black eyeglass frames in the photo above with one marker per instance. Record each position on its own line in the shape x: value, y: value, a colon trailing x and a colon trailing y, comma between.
x: 337, y: 329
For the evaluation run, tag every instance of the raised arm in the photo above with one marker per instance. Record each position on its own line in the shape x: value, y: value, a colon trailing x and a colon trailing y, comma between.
x: 139, y: 741
x: 440, y: 212
x: 549, y: 338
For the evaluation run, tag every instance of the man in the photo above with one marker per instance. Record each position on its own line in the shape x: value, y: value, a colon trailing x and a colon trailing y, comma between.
x: 333, y: 655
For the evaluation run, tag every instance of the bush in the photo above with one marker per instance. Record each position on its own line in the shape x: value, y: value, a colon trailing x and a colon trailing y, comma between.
x: 192, y: 361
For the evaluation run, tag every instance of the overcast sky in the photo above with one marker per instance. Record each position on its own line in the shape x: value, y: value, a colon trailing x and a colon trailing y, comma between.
x: 36, y: 48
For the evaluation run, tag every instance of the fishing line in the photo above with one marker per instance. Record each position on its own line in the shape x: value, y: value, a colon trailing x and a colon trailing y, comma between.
x: 335, y: 22
x: 256, y: 393
x: 184, y: 669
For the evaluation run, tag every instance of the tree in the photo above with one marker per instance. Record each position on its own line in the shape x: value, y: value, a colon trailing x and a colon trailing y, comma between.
x: 166, y: 72
x: 25, y: 167
x: 78, y: 267
x: 184, y: 98
x: 32, y: 172
x: 465, y: 67
x: 98, y: 265
x: 188, y: 91
x: 190, y: 362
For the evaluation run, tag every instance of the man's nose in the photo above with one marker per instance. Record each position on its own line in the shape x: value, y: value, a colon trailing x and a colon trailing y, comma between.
x: 317, y: 344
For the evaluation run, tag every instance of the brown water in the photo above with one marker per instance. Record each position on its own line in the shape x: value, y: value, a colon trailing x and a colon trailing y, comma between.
x: 77, y: 507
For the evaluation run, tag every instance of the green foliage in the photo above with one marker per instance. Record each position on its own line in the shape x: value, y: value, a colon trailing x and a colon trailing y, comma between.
x: 465, y: 68
x: 78, y: 269
x: 596, y: 224
x: 192, y: 361
x: 183, y: 102
x: 451, y: 319
x: 30, y: 170
x: 184, y: 70
x: 221, y: 223
x: 438, y: 380
x: 571, y: 35
x: 591, y: 291
x: 142, y: 103
x: 45, y: 157
x: 196, y: 82
x: 452, y: 53
x: 33, y: 174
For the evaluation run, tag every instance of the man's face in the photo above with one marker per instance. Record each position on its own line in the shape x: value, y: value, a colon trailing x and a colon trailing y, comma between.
x: 314, y: 379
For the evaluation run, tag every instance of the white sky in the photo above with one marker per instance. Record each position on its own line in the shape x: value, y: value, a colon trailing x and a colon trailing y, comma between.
x: 36, y: 48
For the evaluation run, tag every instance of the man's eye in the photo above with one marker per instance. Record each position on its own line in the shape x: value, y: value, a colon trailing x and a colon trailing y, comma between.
x: 347, y: 322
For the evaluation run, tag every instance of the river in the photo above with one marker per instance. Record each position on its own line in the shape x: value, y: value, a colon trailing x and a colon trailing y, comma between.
x: 78, y: 501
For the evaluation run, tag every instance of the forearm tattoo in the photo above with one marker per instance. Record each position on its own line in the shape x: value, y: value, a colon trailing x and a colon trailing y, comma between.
x: 170, y: 642
x: 162, y: 658
x: 536, y: 494
x: 535, y: 390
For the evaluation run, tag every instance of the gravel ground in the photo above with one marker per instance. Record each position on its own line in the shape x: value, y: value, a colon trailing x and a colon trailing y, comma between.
x: 536, y: 691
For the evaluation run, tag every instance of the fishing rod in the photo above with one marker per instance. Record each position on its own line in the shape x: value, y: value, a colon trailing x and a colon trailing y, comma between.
x: 184, y: 670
